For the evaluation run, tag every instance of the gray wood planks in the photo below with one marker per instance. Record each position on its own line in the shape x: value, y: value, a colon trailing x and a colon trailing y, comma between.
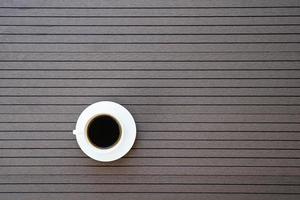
x: 213, y: 86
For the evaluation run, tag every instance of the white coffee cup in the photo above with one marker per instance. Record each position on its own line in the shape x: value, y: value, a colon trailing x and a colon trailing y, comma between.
x: 127, y: 131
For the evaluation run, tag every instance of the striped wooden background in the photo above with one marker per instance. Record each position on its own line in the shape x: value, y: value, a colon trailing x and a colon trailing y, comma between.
x: 213, y: 86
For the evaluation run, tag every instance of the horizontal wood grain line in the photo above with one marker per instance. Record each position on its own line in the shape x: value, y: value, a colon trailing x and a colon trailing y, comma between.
x: 149, y: 161
x: 150, y: 38
x: 166, y: 79
x: 149, y: 47
x: 159, y: 100
x: 150, y: 16
x: 216, y: 184
x: 148, y: 25
x: 152, y: 70
x: 147, y: 34
x: 142, y: 52
x: 155, y: 193
x: 161, y: 144
x: 165, y: 126
x: 199, y: 113
x: 209, y: 179
x: 151, y: 57
x: 154, y: 175
x: 146, y: 8
x: 234, y: 118
x: 154, y: 83
x: 183, y: 184
x: 162, y: 4
x: 171, y: 11
x: 37, y: 183
x: 161, y: 104
x: 156, y: 148
x: 129, y: 166
x: 153, y: 61
x: 151, y: 170
x: 291, y: 20
x: 255, y: 65
x: 140, y: 138
x: 35, y: 135
x: 160, y: 193
x: 141, y: 87
x: 173, y: 114
x: 157, y: 153
x: 146, y: 91
x: 142, y: 43
x: 116, y: 83
x: 159, y: 74
x: 154, y: 196
x: 131, y: 31
x: 154, y: 139
x: 113, y: 96
x: 139, y: 157
x: 159, y: 95
x: 159, y: 109
x: 138, y: 87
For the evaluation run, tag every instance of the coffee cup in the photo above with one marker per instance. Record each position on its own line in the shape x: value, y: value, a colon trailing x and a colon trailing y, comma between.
x: 105, y: 131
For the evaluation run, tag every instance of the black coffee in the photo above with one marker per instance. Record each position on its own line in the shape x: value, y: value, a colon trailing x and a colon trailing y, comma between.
x: 103, y: 131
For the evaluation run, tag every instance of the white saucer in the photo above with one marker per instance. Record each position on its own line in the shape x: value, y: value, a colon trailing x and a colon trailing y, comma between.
x: 127, y: 123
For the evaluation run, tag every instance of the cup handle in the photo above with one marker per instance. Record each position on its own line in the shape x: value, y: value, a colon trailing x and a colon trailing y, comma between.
x: 75, y: 132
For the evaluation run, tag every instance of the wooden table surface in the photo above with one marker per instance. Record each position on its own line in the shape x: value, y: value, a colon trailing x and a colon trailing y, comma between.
x: 213, y: 86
